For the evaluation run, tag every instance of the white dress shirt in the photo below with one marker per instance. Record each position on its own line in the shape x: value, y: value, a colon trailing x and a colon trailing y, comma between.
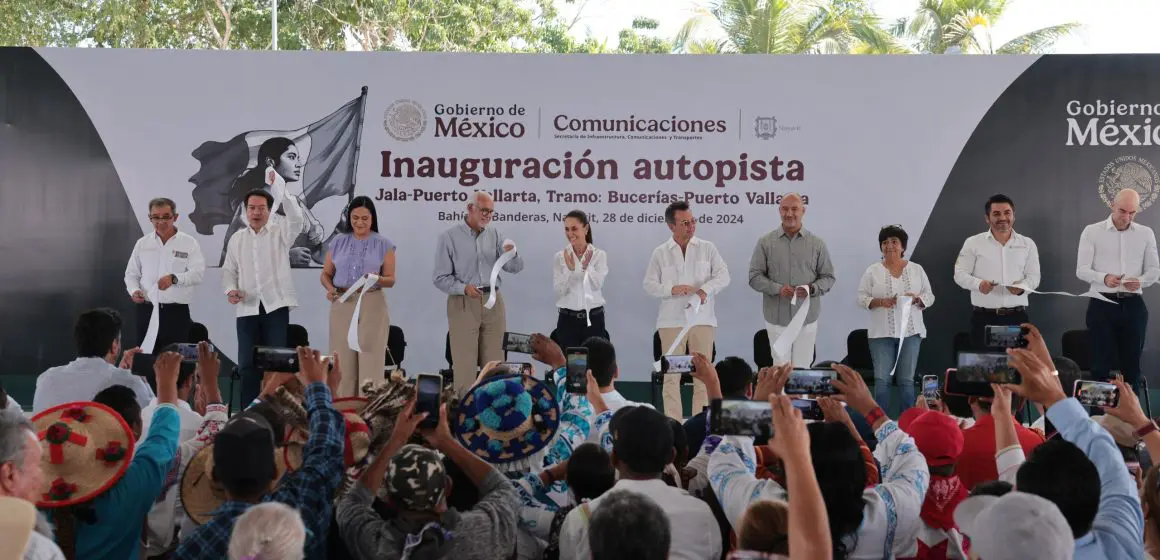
x: 258, y: 263
x: 569, y: 284
x: 693, y: 527
x: 152, y: 259
x: 700, y: 266
x: 877, y: 282
x: 1104, y: 250
x: 983, y: 258
x: 190, y: 420
x: 81, y: 380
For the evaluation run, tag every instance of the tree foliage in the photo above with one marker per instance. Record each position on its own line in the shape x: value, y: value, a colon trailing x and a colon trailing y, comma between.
x: 940, y: 25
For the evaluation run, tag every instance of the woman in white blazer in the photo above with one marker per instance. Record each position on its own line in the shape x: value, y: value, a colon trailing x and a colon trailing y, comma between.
x: 882, y: 290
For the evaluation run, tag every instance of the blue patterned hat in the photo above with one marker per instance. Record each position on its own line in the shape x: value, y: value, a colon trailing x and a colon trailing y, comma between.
x: 508, y: 420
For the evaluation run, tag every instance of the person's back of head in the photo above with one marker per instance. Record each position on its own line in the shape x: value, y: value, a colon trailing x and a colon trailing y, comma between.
x: 680, y: 443
x: 642, y: 442
x: 123, y: 401
x: 416, y: 480
x: 198, y: 333
x: 1015, y: 526
x: 736, y: 377
x: 628, y: 525
x: 97, y: 333
x: 764, y: 527
x: 841, y: 474
x: 590, y: 473
x: 243, y: 457
x: 1060, y: 472
x: 269, y: 531
x: 185, y: 371
x: 273, y: 418
x: 1069, y: 373
x: 601, y: 360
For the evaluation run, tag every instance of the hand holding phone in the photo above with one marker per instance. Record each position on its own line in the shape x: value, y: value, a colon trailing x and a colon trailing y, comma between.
x: 930, y: 387
x: 428, y: 393
x: 576, y: 370
x: 516, y: 342
x: 1097, y: 393
x: 810, y: 409
x: 677, y: 364
x: 741, y: 418
x: 811, y: 382
x: 1006, y: 336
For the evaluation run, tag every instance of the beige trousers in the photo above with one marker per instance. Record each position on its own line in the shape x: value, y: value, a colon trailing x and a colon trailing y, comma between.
x: 699, y: 339
x: 476, y: 336
x: 373, y: 328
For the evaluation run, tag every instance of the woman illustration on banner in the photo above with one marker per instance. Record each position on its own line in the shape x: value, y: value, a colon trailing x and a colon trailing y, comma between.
x: 279, y: 168
x: 577, y: 276
x: 879, y: 290
x: 357, y: 252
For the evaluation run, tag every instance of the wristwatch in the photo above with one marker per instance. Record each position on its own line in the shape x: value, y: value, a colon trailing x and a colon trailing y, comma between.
x: 173, y: 278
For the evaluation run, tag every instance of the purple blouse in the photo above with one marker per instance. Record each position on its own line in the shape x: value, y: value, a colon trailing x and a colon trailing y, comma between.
x: 355, y: 257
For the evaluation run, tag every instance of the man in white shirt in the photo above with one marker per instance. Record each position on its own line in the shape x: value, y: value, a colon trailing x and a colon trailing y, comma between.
x: 602, y: 364
x: 165, y: 266
x: 97, y: 334
x: 641, y: 447
x: 1118, y: 258
x: 681, y: 267
x: 997, y: 266
x: 257, y: 282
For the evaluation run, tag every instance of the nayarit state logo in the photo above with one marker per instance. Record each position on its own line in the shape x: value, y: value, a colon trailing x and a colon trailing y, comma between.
x: 405, y: 120
x: 765, y: 128
x: 1130, y: 172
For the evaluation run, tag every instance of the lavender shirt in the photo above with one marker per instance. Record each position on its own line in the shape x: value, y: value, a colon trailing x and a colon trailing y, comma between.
x: 354, y: 257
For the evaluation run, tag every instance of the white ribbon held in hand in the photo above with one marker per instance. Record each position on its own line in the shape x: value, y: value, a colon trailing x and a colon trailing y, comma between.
x: 150, y: 339
x: 503, y: 259
x: 904, y: 304
x: 277, y: 188
x: 1089, y: 294
x: 692, y: 308
x: 783, y: 346
x: 361, y: 286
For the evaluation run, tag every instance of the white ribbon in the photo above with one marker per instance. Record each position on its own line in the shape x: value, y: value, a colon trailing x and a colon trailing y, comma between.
x: 1089, y: 294
x: 692, y: 308
x: 361, y: 286
x: 277, y: 188
x: 150, y: 339
x: 904, y: 304
x: 502, y: 260
x: 783, y: 346
x: 588, y: 297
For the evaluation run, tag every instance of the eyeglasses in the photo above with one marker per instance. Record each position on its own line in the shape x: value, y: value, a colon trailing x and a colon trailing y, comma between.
x: 687, y: 223
x: 899, y: 226
x: 164, y: 218
x: 486, y: 211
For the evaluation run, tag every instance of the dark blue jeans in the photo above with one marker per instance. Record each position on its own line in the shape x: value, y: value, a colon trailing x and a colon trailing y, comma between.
x: 263, y: 329
x: 1116, y: 334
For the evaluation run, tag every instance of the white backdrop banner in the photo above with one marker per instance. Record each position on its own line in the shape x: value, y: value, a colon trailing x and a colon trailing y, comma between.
x: 866, y: 140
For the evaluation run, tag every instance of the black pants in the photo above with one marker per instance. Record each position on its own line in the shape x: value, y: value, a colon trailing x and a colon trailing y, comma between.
x: 980, y: 318
x: 173, y: 325
x: 1116, y: 337
x: 572, y: 330
x: 263, y: 329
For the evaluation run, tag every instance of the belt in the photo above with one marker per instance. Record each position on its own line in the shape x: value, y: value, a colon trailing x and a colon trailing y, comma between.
x: 582, y: 314
x: 164, y: 305
x: 1119, y: 295
x: 1002, y: 310
x: 485, y: 289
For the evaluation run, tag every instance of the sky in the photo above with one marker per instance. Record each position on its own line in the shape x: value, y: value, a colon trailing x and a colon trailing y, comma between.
x: 1117, y: 26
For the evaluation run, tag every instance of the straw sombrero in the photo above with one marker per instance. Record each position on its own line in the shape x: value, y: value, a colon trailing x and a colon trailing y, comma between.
x: 507, y: 420
x: 17, y: 522
x: 351, y: 404
x: 87, y: 448
x: 200, y: 494
x: 356, y: 440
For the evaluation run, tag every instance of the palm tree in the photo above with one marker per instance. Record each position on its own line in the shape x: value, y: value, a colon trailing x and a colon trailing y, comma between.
x: 965, y: 25
x: 787, y: 27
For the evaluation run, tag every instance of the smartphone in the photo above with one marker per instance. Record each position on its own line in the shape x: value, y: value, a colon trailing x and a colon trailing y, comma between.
x: 677, y: 364
x: 1133, y: 468
x: 428, y: 389
x: 516, y: 342
x: 930, y: 387
x: 188, y: 351
x: 521, y: 368
x: 809, y: 408
x: 811, y: 382
x: 577, y: 370
x: 271, y: 358
x: 1006, y: 336
x: 986, y: 367
x: 143, y: 366
x: 1096, y: 393
x: 741, y: 418
x: 952, y: 385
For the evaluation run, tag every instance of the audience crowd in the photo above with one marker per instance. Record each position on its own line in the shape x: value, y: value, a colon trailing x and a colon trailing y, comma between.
x: 112, y: 465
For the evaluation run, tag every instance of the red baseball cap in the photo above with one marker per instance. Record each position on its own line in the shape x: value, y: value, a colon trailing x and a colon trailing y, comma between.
x: 937, y: 435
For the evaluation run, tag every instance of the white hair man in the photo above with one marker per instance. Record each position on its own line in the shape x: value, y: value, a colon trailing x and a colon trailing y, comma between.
x: 269, y: 530
x: 466, y: 254
x: 1118, y: 258
x: 21, y: 477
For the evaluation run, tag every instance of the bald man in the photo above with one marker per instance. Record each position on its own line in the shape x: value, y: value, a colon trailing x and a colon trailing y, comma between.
x: 786, y: 261
x: 1118, y: 258
x: 463, y: 261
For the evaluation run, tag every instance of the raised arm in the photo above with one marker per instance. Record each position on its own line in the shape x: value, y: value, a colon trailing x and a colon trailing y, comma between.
x: 295, y: 220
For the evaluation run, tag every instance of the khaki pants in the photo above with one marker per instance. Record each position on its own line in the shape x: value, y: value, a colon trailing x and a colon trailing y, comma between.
x: 476, y: 336
x: 699, y: 339
x: 374, y: 326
